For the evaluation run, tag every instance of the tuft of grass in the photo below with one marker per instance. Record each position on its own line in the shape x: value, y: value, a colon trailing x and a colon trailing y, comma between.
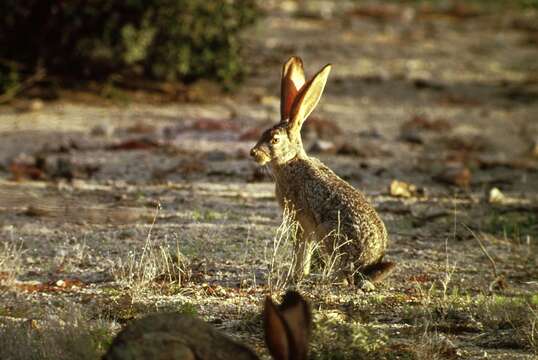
x: 290, y: 258
x: 337, y: 336
x: 497, y: 317
x: 206, y: 215
x: 280, y: 256
x: 433, y: 345
x: 70, y: 334
x: 520, y: 227
x: 10, y: 262
x: 331, y: 259
x: 152, y: 267
x: 516, y: 315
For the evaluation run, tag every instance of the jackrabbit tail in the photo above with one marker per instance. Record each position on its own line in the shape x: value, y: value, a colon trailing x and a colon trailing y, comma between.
x: 172, y: 336
x: 329, y: 211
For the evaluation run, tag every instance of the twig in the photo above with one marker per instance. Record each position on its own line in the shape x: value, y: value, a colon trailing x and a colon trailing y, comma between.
x: 498, y: 281
x: 38, y: 75
x: 484, y: 250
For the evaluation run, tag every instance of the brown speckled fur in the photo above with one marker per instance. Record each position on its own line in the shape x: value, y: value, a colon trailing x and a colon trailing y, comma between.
x: 329, y: 210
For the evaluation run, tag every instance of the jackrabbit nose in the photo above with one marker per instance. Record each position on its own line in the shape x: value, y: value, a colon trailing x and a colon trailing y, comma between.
x: 253, y: 152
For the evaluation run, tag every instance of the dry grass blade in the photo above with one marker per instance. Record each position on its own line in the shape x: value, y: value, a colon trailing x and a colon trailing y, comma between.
x: 10, y: 262
x: 282, y: 258
x: 153, y: 265
x: 499, y: 280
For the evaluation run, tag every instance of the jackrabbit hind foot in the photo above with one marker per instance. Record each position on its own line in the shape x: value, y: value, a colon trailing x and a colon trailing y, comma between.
x: 366, y: 279
x: 379, y: 272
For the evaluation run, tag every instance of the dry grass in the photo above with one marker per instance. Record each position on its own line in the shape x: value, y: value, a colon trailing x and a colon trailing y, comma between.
x: 432, y: 345
x: 280, y: 256
x: 68, y: 334
x: 149, y: 268
x: 286, y: 258
x: 337, y: 336
x: 11, y: 264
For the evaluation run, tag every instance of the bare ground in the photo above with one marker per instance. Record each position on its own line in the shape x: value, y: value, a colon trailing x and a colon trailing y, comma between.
x: 442, y: 99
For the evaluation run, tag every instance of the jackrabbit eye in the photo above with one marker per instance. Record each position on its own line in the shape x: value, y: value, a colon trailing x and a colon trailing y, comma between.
x: 274, y: 140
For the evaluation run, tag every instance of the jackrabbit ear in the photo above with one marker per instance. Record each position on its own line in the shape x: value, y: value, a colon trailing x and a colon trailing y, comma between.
x: 276, y: 332
x: 296, y: 313
x: 307, y: 99
x: 287, y: 328
x: 292, y: 81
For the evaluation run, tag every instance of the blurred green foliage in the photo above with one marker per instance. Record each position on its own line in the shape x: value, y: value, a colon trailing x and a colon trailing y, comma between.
x: 9, y: 79
x: 162, y: 39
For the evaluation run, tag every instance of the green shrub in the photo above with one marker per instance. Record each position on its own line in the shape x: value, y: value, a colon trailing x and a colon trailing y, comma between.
x: 163, y: 39
x: 9, y: 79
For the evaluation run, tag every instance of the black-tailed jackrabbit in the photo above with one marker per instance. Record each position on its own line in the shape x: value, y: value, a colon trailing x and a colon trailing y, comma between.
x: 172, y: 336
x: 329, y: 210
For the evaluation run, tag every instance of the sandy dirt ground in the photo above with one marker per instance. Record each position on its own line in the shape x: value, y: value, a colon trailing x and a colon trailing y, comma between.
x: 444, y: 99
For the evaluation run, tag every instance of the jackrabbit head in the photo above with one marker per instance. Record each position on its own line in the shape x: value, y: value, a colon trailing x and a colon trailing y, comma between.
x: 282, y: 142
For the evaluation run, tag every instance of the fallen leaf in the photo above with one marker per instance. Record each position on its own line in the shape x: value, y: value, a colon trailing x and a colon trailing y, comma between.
x: 423, y: 123
x: 68, y: 283
x: 402, y: 189
x: 21, y: 171
x: 61, y: 285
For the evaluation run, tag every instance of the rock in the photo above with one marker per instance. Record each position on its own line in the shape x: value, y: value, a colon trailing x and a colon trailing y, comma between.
x: 402, y: 189
x: 174, y: 336
x: 496, y: 196
x: 321, y: 146
x: 103, y: 129
x: 217, y: 155
x: 348, y: 149
x: 36, y: 105
x: 411, y: 136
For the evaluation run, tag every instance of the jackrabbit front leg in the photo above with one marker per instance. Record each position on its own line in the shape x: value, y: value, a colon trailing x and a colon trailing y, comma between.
x: 303, y: 248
